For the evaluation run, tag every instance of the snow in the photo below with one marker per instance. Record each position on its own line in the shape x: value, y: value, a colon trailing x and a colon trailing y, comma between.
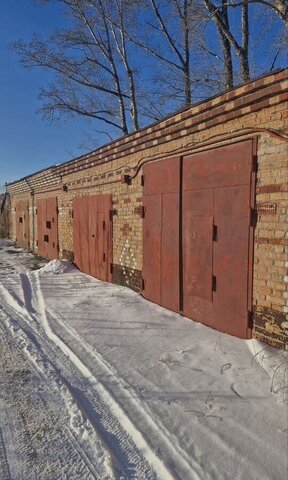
x: 56, y: 267
x: 125, y: 389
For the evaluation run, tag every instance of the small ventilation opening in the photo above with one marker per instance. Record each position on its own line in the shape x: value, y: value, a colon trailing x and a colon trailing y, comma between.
x: 46, y: 238
x: 20, y: 220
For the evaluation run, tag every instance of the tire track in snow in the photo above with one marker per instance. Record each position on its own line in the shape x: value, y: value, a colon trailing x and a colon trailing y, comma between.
x: 108, y: 418
x: 29, y: 430
x: 123, y: 434
x: 177, y: 456
x: 78, y: 426
x: 4, y: 465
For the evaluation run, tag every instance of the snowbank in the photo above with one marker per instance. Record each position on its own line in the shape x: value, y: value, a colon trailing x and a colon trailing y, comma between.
x: 6, y: 243
x: 57, y: 267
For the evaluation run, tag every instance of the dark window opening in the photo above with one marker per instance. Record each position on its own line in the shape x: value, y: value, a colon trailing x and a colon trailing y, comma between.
x: 20, y: 220
x: 46, y: 238
x: 48, y: 224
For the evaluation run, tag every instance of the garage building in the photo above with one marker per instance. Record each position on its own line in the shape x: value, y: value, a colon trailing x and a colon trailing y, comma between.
x: 191, y: 211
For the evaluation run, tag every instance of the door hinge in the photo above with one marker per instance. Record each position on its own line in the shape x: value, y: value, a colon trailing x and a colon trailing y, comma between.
x: 143, y: 284
x: 215, y: 233
x: 253, y: 217
x: 214, y: 283
x: 250, y: 319
x: 254, y: 163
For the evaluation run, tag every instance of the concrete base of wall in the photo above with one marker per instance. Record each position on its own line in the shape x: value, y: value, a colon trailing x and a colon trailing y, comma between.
x: 270, y: 327
x: 127, y: 276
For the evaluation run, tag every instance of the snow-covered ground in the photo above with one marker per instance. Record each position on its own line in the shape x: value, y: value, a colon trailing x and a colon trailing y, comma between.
x: 97, y: 383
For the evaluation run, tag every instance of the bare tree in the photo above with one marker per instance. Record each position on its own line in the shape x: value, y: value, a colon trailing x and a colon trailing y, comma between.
x: 124, y: 63
x: 169, y: 37
x: 280, y: 7
x: 226, y: 46
x: 94, y: 76
x: 242, y: 51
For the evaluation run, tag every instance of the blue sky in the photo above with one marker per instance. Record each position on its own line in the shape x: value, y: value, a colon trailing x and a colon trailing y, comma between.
x: 27, y: 143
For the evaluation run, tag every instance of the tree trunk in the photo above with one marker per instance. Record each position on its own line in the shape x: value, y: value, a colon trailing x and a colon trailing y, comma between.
x: 186, y: 66
x: 244, y: 52
x: 226, y: 46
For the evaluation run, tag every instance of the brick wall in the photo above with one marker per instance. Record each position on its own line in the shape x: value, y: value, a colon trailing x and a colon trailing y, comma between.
x: 258, y: 109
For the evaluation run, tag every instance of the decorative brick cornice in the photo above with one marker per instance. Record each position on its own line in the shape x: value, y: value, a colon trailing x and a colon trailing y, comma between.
x: 249, y: 98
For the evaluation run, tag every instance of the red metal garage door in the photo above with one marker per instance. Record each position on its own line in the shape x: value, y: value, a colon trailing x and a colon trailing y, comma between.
x: 218, y: 194
x: 47, y: 227
x: 92, y: 235
x: 207, y: 274
x: 161, y: 232
x: 22, y: 223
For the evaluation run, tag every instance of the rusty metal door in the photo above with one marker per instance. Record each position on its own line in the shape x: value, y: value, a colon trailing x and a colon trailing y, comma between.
x: 47, y: 227
x: 161, y: 233
x: 217, y: 236
x: 197, y: 254
x: 22, y: 224
x: 92, y: 235
x: 231, y: 260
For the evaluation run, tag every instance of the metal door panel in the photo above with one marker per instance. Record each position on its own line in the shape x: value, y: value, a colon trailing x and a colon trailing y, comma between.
x: 41, y: 230
x: 152, y: 247
x: 161, y: 232
x: 197, y: 257
x: 26, y: 226
x: 83, y: 223
x: 170, y: 251
x: 197, y: 254
x: 77, y: 233
x: 52, y: 227
x: 101, y: 247
x: 47, y: 227
x: 223, y: 179
x: 230, y: 260
x: 22, y: 223
x: 225, y: 166
x: 162, y: 176
x: 92, y: 235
